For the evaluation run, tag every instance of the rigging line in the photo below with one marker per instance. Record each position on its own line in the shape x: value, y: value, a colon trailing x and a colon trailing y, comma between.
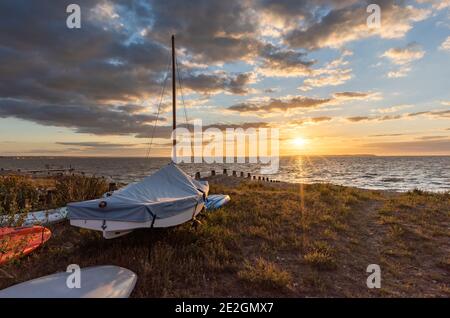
x: 157, y: 117
x: 159, y: 108
x: 181, y: 92
x: 184, y: 105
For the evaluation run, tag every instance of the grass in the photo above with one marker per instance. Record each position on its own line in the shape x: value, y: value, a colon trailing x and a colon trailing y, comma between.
x: 264, y: 274
x: 21, y: 194
x: 268, y: 241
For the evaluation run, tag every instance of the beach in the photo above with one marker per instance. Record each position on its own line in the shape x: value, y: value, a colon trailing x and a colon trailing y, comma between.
x: 271, y: 240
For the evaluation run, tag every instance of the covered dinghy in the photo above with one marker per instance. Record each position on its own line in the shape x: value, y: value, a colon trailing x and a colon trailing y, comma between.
x: 167, y: 198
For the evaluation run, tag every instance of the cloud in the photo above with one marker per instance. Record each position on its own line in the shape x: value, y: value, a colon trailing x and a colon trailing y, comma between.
x: 445, y: 46
x: 431, y: 137
x: 344, y: 96
x: 299, y: 102
x: 131, y: 109
x: 281, y: 62
x: 312, y: 120
x: 403, y: 57
x: 333, y: 73
x: 401, y: 72
x: 276, y: 104
x: 95, y: 144
x: 437, y: 4
x: 387, y: 135
x: 355, y: 119
x: 392, y: 109
x: 102, y: 78
x: 218, y: 82
x: 340, y: 26
x: 435, y: 113
x: 95, y: 119
x: 115, y: 63
x: 211, y: 31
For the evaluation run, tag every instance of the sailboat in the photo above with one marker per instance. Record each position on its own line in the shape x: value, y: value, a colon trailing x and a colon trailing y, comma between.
x: 168, y: 197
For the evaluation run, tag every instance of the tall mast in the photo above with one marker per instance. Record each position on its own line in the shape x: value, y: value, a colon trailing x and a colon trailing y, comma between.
x: 174, y: 99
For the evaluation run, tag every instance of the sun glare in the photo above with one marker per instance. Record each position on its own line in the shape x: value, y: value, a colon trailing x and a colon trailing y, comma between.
x: 299, y: 142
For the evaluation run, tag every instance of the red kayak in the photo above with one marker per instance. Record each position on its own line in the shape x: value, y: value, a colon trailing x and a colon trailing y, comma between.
x: 19, y: 241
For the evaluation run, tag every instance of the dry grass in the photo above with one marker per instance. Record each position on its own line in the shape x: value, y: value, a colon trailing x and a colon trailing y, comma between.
x: 264, y: 274
x: 21, y: 194
x: 263, y: 243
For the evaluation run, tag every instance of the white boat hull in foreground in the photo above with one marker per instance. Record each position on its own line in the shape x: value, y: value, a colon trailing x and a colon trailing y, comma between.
x: 95, y: 282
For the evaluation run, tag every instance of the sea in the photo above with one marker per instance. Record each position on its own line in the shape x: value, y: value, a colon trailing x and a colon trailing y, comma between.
x: 430, y: 173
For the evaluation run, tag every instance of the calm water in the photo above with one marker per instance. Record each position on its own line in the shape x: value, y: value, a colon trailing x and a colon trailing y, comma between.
x: 390, y: 173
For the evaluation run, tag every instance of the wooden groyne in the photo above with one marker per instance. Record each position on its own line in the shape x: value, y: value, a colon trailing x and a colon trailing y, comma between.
x: 236, y: 174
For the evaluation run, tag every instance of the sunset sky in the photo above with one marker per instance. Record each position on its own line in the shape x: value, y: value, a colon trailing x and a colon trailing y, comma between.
x: 313, y: 69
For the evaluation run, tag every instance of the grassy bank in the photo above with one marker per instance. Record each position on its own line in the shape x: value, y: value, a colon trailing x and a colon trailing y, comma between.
x: 270, y: 240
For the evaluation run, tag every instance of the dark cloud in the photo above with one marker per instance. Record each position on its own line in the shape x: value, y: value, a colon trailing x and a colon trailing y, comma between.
x: 353, y: 95
x: 131, y: 109
x: 280, y: 104
x: 379, y: 118
x: 244, y: 125
x: 213, y: 83
x: 310, y: 120
x: 305, y: 9
x: 301, y: 102
x: 95, y: 119
x: 95, y: 144
x: 320, y: 119
x: 431, y: 137
x: 435, y: 113
x: 389, y: 117
x: 277, y: 61
x: 334, y: 26
x: 212, y: 30
x: 53, y: 75
x: 387, y: 135
x: 358, y: 118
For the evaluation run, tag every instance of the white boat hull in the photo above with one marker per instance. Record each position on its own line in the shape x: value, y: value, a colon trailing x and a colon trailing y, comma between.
x: 35, y: 218
x: 113, y: 229
x: 95, y: 282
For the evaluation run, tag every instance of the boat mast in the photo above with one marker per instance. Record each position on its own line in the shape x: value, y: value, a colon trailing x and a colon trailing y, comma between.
x: 174, y: 101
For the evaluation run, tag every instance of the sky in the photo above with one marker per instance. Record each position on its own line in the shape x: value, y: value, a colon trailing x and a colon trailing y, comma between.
x: 316, y: 70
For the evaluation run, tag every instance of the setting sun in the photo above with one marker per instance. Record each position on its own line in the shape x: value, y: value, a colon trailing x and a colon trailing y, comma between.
x: 300, y: 142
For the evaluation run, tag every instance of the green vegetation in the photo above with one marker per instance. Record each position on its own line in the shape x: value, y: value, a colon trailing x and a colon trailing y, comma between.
x: 20, y: 194
x: 270, y: 240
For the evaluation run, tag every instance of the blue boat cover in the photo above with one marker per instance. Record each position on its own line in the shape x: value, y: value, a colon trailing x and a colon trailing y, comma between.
x: 215, y: 201
x: 163, y: 194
